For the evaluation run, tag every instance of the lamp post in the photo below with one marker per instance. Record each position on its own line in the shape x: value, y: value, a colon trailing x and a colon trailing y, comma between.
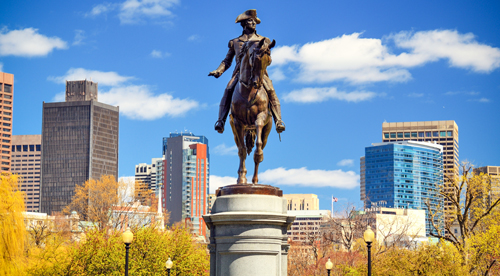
x: 329, y: 266
x: 168, y: 265
x: 369, y: 237
x: 128, y: 237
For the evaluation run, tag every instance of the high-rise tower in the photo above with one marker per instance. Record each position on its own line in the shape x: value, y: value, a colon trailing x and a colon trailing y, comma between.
x: 79, y: 142
x: 6, y: 105
x: 186, y: 179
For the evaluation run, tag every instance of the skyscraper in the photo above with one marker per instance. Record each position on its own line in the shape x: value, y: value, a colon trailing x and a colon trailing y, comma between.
x: 187, y: 179
x: 405, y: 174
x: 79, y: 142
x: 26, y: 156
x: 146, y: 173
x: 445, y: 133
x: 6, y: 104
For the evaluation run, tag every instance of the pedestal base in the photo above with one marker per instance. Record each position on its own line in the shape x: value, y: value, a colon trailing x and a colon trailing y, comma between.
x: 248, y: 232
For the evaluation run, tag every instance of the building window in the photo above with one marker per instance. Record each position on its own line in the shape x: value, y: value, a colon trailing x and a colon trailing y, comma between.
x: 386, y: 135
x: 442, y: 134
x: 407, y: 135
x: 400, y: 135
x: 393, y: 135
x: 32, y: 147
x: 435, y: 134
x: 25, y: 147
x: 38, y: 148
x: 7, y: 88
x: 420, y: 134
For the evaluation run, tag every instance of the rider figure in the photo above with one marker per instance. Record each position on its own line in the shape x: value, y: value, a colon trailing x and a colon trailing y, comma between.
x: 248, y: 21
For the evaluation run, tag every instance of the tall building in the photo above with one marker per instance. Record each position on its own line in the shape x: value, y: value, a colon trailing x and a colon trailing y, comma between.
x: 445, y: 133
x: 6, y: 105
x: 362, y: 185
x: 187, y: 179
x: 405, y: 174
x: 493, y: 193
x: 298, y: 202
x: 79, y: 142
x: 26, y: 157
x: 306, y: 226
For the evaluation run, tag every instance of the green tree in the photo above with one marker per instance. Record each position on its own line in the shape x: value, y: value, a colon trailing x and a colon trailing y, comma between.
x: 12, y: 228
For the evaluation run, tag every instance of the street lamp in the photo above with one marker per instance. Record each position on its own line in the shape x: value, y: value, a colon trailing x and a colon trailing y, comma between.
x: 329, y: 266
x: 128, y: 237
x: 168, y: 265
x: 369, y: 237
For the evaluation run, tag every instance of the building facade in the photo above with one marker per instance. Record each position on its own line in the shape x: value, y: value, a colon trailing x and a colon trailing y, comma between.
x: 187, y: 179
x: 306, y: 226
x: 26, y: 158
x: 6, y: 106
x: 298, y: 202
x: 79, y: 142
x: 147, y: 173
x: 492, y: 193
x: 406, y: 175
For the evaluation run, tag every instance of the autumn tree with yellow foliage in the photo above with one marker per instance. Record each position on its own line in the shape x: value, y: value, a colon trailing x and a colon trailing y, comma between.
x: 12, y: 228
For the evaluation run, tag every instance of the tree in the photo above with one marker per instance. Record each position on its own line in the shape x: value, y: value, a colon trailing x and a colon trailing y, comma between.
x: 470, y: 213
x: 345, y: 227
x: 110, y: 204
x: 12, y: 229
x: 102, y: 253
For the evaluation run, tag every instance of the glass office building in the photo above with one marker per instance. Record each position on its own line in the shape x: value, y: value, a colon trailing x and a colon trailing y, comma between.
x: 405, y: 174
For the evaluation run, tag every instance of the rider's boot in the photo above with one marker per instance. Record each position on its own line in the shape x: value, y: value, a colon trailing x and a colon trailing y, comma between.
x: 223, y: 111
x: 276, y: 111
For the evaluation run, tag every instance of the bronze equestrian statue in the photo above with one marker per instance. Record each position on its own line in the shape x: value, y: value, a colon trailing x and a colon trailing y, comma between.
x: 249, y: 93
x: 248, y: 21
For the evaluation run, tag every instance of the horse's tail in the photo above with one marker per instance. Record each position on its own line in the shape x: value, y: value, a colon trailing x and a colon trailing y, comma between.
x: 250, y: 140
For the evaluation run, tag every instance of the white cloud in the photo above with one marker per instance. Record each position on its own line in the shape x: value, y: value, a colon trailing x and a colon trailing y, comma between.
x: 79, y: 37
x: 103, y: 78
x: 101, y: 9
x: 59, y: 97
x: 134, y: 11
x: 222, y: 149
x: 276, y: 74
x: 461, y: 50
x: 135, y: 101
x: 469, y: 93
x: 416, y: 95
x: 138, y: 102
x: 481, y: 100
x: 194, y: 37
x: 159, y: 54
x: 310, y: 178
x: 28, y: 43
x: 313, y: 95
x: 355, y: 59
x: 346, y: 162
x: 220, y: 181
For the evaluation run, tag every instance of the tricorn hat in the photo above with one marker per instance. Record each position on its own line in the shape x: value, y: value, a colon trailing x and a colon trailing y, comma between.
x: 246, y: 15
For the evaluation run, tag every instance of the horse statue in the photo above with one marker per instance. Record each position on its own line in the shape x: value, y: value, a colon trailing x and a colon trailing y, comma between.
x: 251, y: 119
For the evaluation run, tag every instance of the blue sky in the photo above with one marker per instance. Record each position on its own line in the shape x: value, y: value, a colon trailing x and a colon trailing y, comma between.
x: 340, y: 69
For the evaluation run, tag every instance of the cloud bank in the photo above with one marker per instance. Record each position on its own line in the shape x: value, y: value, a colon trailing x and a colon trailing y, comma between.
x: 314, y: 95
x: 135, y: 101
x: 356, y: 60
x: 302, y: 177
x: 136, y: 11
x: 28, y: 43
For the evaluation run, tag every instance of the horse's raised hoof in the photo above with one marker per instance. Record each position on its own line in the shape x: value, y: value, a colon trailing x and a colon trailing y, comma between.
x: 219, y: 126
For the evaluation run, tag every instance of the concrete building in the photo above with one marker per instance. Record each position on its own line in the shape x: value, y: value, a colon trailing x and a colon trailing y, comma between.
x: 211, y: 200
x: 492, y: 193
x: 405, y: 174
x: 394, y: 225
x: 147, y: 173
x: 79, y: 142
x: 187, y: 179
x: 26, y: 158
x: 6, y: 106
x: 298, y: 202
x: 306, y: 226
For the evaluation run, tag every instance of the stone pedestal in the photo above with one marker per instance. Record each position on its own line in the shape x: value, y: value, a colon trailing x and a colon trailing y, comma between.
x: 248, y: 227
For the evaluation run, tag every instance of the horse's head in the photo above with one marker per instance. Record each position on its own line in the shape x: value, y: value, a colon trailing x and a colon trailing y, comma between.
x: 260, y: 58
